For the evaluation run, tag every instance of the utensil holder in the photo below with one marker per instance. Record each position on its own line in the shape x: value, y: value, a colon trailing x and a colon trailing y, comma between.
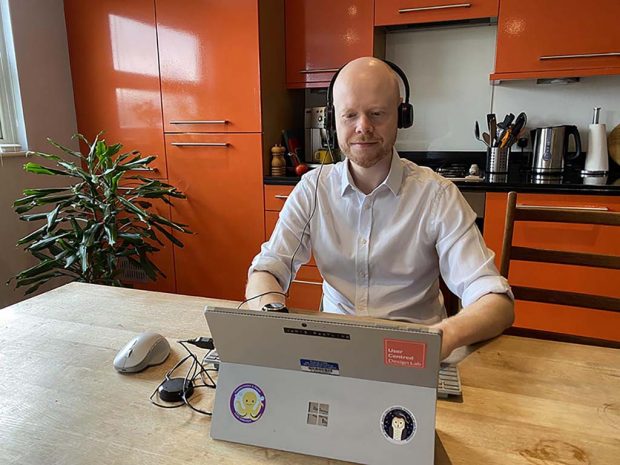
x: 497, y: 160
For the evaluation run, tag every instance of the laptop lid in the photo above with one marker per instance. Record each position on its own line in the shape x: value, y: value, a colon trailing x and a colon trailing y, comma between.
x: 326, y: 385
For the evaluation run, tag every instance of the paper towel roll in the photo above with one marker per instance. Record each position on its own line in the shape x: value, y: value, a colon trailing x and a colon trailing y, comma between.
x: 597, y: 158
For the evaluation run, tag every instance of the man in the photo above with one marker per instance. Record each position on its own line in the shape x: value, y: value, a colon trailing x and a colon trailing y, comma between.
x: 381, y: 228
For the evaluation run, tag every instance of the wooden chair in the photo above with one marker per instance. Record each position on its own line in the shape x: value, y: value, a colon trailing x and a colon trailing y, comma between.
x: 515, y: 213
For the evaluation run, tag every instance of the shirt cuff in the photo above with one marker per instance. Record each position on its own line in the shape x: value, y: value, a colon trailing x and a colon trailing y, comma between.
x: 273, y: 266
x: 486, y: 285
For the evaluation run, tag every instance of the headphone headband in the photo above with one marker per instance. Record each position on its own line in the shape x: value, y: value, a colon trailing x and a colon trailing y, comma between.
x: 405, y: 109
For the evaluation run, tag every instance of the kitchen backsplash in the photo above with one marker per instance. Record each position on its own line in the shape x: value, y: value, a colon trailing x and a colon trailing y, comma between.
x: 449, y: 68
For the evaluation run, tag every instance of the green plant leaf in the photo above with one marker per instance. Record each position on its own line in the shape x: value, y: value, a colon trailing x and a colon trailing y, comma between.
x: 51, y: 218
x: 66, y: 150
x: 45, y: 191
x: 169, y: 235
x: 39, y: 169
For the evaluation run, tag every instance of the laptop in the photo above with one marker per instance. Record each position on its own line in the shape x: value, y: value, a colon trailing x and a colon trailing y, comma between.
x: 355, y: 389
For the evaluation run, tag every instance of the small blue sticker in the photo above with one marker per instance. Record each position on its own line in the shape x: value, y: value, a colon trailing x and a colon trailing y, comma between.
x: 318, y: 366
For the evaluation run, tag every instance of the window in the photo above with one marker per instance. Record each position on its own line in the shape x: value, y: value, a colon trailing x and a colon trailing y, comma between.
x: 8, y: 129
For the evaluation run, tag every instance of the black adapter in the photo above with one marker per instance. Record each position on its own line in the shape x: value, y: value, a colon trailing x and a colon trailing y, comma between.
x: 172, y: 389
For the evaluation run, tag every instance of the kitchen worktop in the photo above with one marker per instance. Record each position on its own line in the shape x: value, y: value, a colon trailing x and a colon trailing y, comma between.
x: 519, y: 178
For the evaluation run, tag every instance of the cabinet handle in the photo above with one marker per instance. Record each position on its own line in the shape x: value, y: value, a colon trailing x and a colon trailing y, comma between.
x: 281, y: 197
x: 437, y: 7
x: 212, y: 121
x: 318, y: 70
x: 583, y: 55
x: 557, y: 207
x: 200, y: 144
x: 307, y: 282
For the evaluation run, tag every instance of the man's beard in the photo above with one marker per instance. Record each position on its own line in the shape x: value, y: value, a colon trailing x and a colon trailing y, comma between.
x: 368, y: 160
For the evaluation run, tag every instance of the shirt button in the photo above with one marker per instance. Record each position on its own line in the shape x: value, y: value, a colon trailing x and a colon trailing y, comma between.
x: 367, y: 207
x: 362, y: 274
x: 363, y: 241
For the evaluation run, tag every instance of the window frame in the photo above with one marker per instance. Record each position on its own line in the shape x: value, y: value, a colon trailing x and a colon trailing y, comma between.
x: 8, y: 111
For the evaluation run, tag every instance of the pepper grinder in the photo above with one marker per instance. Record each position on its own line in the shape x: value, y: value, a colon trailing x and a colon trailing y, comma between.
x: 597, y: 158
x: 278, y: 163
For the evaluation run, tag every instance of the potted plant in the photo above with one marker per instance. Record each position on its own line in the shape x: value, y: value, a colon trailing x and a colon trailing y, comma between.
x: 100, y: 220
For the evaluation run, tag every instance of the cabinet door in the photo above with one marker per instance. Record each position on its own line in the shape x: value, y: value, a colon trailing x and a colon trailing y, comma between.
x: 558, y: 236
x: 323, y: 35
x: 306, y: 289
x: 394, y: 12
x: 209, y: 62
x: 546, y: 38
x: 113, y: 53
x: 221, y: 174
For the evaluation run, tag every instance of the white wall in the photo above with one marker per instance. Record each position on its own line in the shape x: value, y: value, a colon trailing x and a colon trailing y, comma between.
x: 449, y: 71
x: 44, y: 77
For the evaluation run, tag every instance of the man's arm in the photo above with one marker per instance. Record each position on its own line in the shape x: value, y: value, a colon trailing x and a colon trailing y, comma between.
x: 260, y: 282
x: 487, y: 317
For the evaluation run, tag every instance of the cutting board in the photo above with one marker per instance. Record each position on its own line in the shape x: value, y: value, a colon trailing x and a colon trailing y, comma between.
x: 613, y: 144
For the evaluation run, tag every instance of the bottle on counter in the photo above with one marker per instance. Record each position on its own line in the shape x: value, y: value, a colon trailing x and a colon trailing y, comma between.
x: 278, y: 163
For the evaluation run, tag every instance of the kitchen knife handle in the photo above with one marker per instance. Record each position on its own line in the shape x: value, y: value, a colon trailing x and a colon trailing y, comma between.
x: 211, y: 121
x: 318, y: 70
x: 200, y: 144
x: 437, y: 7
x: 584, y: 55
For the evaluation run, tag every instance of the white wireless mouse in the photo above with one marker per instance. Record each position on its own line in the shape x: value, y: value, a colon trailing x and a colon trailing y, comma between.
x: 144, y: 350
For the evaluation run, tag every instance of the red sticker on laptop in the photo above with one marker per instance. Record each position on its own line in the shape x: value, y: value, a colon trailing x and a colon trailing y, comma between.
x: 404, y: 354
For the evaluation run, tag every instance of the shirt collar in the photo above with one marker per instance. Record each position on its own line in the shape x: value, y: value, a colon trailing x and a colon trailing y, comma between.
x: 393, y: 180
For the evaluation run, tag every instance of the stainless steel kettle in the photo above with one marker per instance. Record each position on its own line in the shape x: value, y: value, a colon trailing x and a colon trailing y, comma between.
x: 550, y: 148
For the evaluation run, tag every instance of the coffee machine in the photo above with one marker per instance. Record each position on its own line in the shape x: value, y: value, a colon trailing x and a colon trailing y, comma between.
x: 316, y: 149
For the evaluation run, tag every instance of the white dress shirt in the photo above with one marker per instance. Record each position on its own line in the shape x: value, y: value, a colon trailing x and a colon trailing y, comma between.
x: 380, y: 254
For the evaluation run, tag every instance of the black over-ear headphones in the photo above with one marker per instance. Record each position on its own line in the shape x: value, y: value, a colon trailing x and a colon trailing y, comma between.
x: 405, y: 109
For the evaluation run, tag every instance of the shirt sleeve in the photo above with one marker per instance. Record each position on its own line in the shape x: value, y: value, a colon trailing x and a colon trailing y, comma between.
x: 289, y: 245
x: 465, y: 262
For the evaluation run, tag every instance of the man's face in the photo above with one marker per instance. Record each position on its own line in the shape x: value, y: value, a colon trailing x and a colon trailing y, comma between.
x: 366, y: 117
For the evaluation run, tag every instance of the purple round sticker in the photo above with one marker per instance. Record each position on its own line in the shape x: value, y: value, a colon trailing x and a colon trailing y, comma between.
x: 247, y: 403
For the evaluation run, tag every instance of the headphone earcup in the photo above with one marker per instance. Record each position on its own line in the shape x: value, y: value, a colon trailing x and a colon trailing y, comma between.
x: 405, y: 115
x: 330, y: 119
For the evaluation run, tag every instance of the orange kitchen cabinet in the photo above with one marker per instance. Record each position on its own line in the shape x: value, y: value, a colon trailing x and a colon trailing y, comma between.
x: 545, y: 38
x: 397, y: 12
x: 222, y: 177
x: 115, y: 71
x: 209, y: 64
x: 323, y: 35
x: 558, y: 236
x: 306, y: 289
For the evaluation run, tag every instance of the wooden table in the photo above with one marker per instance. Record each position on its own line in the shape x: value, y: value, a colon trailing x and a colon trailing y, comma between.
x: 525, y: 401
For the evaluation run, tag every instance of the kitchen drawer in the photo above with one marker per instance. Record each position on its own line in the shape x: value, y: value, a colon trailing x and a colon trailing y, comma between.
x: 275, y: 196
x: 306, y: 289
x: 559, y: 236
x: 394, y: 12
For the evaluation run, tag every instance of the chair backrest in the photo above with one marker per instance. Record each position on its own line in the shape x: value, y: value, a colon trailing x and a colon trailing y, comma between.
x: 516, y: 213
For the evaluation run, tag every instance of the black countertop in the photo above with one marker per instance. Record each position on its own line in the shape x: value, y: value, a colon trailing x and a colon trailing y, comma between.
x: 518, y: 179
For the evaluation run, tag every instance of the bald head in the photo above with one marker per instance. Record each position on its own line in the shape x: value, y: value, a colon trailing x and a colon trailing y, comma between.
x: 367, y: 74
x: 366, y: 96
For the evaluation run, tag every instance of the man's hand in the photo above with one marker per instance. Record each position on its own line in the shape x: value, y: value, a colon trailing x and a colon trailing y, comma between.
x: 484, y: 319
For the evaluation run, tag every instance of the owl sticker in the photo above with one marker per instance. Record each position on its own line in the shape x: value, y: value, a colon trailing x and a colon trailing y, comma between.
x: 398, y: 425
x: 247, y: 403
